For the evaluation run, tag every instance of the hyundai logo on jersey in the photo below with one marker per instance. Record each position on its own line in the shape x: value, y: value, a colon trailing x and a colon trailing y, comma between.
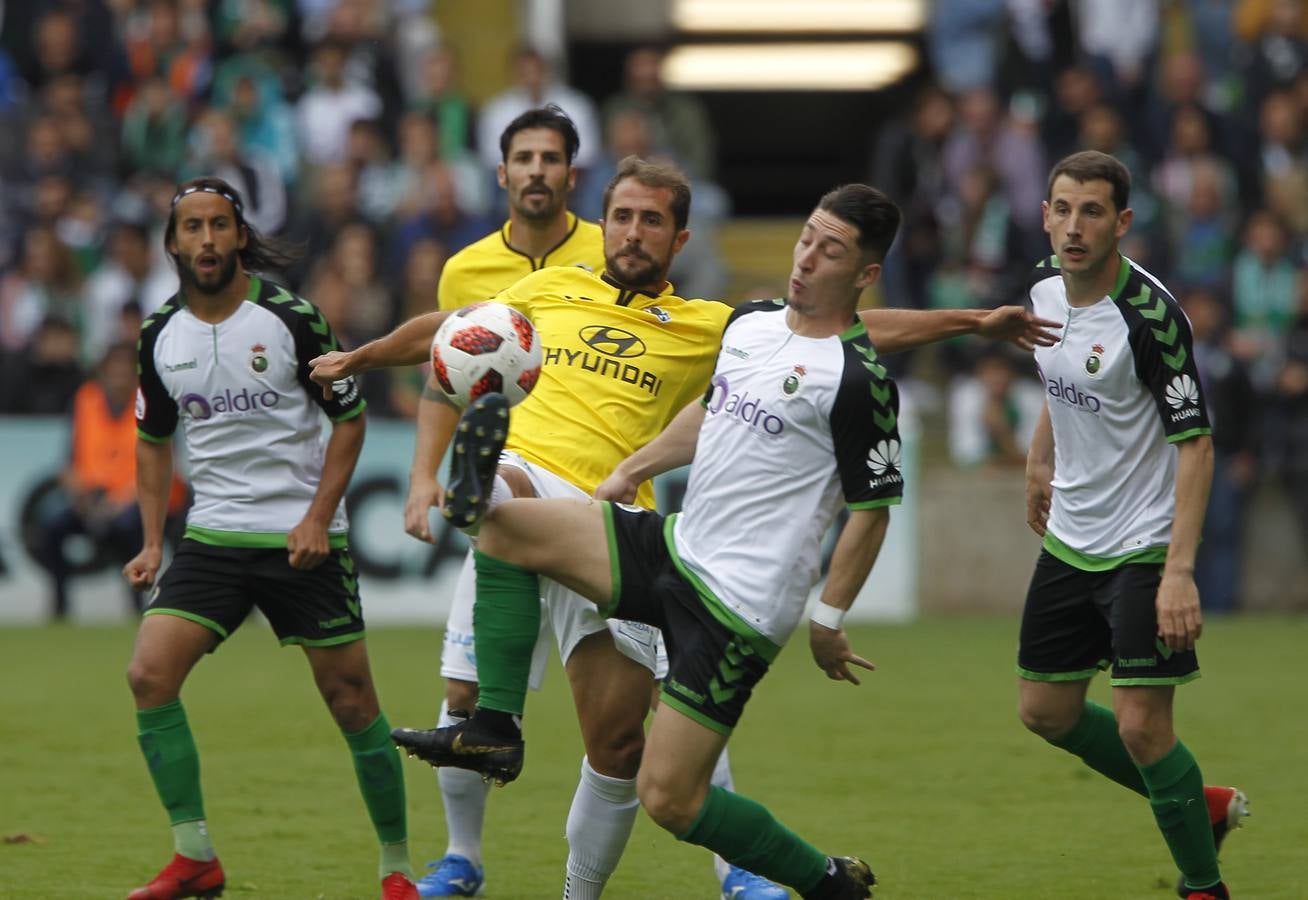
x: 743, y: 407
x: 243, y: 401
x: 612, y: 341
x: 1069, y: 393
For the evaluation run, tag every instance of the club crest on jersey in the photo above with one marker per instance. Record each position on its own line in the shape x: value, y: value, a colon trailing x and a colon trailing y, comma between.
x: 258, y: 359
x: 791, y: 385
x: 659, y: 313
x: 1095, y: 361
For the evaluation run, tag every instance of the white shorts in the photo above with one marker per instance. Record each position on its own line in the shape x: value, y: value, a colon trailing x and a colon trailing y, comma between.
x: 567, y: 615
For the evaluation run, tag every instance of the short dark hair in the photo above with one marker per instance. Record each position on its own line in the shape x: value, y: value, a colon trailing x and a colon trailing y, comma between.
x: 1091, y: 165
x: 552, y: 117
x: 870, y: 211
x: 654, y: 175
x: 260, y: 254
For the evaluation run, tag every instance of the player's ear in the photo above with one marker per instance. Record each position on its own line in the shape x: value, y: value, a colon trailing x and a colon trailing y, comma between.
x: 243, y: 236
x: 1124, y: 219
x: 572, y: 178
x: 501, y: 176
x: 1044, y: 215
x: 869, y: 275
x: 680, y: 240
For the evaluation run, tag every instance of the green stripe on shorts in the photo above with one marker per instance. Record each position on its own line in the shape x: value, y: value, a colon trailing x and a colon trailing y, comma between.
x: 615, y: 567
x: 1082, y: 675
x: 692, y: 713
x: 323, y: 642
x: 1160, y: 681
x: 183, y: 614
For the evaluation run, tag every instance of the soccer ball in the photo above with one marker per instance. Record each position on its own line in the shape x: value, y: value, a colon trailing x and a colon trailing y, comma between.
x: 485, y: 348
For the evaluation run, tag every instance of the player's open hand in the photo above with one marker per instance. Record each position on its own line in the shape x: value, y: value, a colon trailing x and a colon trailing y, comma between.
x: 331, y: 367
x: 141, y: 570
x: 1179, y: 620
x: 831, y: 652
x: 1039, y: 496
x: 307, y: 545
x: 1019, y: 326
x: 418, y: 506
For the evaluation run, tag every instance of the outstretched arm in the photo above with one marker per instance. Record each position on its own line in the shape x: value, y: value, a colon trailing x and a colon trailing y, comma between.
x: 893, y: 330
x: 856, y: 551
x: 674, y: 447
x: 407, y: 345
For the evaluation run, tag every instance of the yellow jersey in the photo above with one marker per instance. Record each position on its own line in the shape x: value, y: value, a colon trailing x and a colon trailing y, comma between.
x: 482, y: 269
x: 618, y: 365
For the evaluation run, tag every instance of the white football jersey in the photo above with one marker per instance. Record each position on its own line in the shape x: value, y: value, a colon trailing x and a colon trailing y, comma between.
x: 242, y: 393
x: 1122, y: 387
x: 793, y: 426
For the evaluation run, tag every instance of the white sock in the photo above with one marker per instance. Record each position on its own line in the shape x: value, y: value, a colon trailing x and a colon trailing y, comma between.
x: 464, y: 794
x: 599, y: 823
x: 722, y: 778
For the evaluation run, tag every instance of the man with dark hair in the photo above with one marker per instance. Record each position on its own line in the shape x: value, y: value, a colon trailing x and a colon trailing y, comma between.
x: 227, y: 357
x: 613, y: 404
x: 779, y: 465
x: 1116, y: 484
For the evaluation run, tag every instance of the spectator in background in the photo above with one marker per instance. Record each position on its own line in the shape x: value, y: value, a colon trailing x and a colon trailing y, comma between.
x: 993, y: 413
x: 1233, y: 409
x: 439, y: 97
x: 1009, y: 144
x: 1265, y: 297
x: 678, y: 124
x: 1076, y: 92
x: 170, y: 43
x: 354, y: 253
x: 333, y: 103
x: 131, y: 276
x: 413, y: 298
x: 154, y: 130
x: 534, y: 85
x: 1283, y: 158
x: 45, y: 284
x: 1290, y: 398
x: 216, y: 150
x: 333, y: 205
x: 963, y: 40
x: 1276, y: 32
x: 1201, y: 228
x: 1101, y: 128
x: 88, y: 131
x: 99, y: 482
x: 45, y: 372
x: 266, y: 124
x: 1119, y: 39
x: 908, y: 165
x: 979, y: 243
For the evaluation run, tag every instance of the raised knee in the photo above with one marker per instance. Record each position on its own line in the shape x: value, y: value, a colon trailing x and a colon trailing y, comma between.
x: 669, y: 810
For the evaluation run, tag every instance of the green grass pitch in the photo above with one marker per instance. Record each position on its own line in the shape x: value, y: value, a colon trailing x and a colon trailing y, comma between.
x: 924, y: 770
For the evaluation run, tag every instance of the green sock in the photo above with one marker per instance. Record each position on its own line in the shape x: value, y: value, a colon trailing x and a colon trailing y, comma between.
x: 1094, y: 738
x: 506, y: 621
x: 1176, y: 793
x: 381, y: 781
x: 745, y: 834
x: 174, y: 763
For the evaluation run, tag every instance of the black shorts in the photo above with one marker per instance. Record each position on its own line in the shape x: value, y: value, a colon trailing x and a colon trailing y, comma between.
x: 218, y: 586
x: 714, y: 659
x: 1075, y: 623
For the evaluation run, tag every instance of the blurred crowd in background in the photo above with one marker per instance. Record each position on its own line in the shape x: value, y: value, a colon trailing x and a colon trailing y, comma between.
x: 344, y: 125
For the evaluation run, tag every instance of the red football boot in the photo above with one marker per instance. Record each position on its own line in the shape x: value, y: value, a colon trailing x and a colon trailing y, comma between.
x: 396, y: 886
x: 184, y: 877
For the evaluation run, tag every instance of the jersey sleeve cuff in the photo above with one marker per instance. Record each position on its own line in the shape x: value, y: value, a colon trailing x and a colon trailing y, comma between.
x: 876, y: 504
x: 1186, y: 435
x: 153, y: 438
x: 347, y: 416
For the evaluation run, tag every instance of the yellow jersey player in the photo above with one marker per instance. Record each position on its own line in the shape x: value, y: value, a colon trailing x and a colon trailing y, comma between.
x: 623, y: 355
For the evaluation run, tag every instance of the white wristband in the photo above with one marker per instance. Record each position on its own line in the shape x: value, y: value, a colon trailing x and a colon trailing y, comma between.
x: 827, y: 616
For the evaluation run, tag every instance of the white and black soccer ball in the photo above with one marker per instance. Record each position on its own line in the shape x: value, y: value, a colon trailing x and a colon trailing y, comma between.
x: 486, y: 348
